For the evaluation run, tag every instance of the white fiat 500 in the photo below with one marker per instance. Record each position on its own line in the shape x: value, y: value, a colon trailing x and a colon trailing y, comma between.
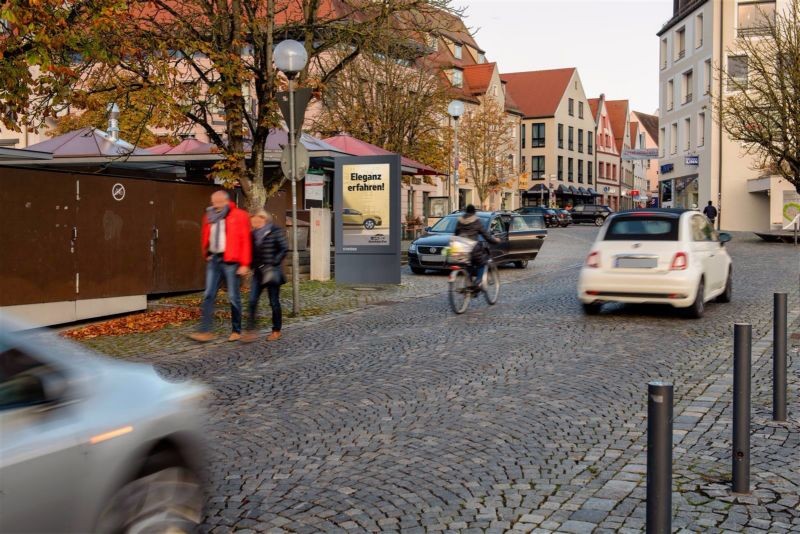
x: 657, y: 256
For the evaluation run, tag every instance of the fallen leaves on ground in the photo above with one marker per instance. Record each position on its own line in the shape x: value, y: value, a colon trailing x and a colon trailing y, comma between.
x: 138, y: 323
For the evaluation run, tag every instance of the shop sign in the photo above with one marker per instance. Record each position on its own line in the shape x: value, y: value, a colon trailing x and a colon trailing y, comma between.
x: 692, y: 160
x: 667, y: 167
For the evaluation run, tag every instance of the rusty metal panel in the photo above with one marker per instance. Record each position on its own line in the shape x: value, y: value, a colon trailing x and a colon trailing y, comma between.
x: 36, y: 261
x: 115, y: 224
x: 179, y: 265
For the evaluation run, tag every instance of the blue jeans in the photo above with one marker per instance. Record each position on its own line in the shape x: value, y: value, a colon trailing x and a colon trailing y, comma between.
x: 274, y: 292
x: 216, y: 270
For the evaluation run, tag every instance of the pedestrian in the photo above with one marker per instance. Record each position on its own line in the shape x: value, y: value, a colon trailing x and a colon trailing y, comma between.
x: 711, y: 212
x: 227, y: 249
x: 269, y: 250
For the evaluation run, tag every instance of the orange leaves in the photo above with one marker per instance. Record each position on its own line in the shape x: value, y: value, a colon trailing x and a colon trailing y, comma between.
x: 138, y: 323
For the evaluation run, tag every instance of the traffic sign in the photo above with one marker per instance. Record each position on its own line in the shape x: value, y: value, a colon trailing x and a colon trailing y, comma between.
x: 303, y: 160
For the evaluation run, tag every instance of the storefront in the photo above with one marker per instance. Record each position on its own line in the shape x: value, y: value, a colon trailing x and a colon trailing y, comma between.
x: 683, y: 192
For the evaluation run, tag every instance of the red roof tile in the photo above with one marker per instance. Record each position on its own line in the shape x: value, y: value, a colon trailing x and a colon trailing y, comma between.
x: 478, y: 77
x: 538, y: 93
x: 594, y: 104
x: 634, y: 133
x: 618, y: 116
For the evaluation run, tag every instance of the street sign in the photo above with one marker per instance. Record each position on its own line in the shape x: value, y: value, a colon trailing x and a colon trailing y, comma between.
x: 302, y: 97
x: 303, y: 161
x: 692, y: 160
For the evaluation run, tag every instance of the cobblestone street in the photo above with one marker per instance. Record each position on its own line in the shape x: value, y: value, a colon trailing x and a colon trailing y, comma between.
x: 525, y: 416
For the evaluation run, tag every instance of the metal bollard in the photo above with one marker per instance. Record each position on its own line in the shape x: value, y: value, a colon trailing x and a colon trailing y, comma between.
x: 742, y: 347
x: 659, y: 458
x: 779, y: 357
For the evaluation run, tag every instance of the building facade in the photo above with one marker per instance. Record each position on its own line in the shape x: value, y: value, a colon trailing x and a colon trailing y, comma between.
x: 607, y: 156
x: 648, y: 139
x: 556, y: 136
x: 698, y: 161
x: 619, y: 115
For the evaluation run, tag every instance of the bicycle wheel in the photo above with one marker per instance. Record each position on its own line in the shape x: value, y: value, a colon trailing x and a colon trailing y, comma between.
x: 460, y: 291
x: 491, y: 285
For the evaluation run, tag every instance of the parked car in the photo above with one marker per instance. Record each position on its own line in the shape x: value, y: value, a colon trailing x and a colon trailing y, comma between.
x: 564, y: 218
x: 550, y: 216
x: 352, y: 217
x: 590, y: 213
x: 657, y: 256
x: 89, y: 444
x: 521, y: 238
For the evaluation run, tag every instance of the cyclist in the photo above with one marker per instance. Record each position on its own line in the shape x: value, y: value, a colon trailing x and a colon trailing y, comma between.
x: 470, y: 226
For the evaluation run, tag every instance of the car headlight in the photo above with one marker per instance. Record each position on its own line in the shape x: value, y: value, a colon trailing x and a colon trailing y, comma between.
x: 412, y: 248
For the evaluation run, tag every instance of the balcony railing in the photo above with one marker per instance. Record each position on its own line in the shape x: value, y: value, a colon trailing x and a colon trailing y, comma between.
x: 751, y: 32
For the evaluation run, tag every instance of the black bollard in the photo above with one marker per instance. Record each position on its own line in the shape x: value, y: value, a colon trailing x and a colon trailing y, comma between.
x: 779, y: 358
x: 742, y: 346
x: 659, y: 458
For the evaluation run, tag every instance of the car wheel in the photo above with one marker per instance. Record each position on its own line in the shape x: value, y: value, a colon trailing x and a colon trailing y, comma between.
x: 598, y: 221
x: 521, y: 264
x: 417, y: 270
x: 169, y: 499
x: 727, y: 295
x: 698, y: 307
x: 369, y: 224
x: 592, y: 308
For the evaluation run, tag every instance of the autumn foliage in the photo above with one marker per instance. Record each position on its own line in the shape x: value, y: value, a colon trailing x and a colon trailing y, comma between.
x: 138, y: 323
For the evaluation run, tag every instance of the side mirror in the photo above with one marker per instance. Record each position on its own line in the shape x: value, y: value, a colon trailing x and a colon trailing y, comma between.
x: 427, y: 229
x: 724, y: 237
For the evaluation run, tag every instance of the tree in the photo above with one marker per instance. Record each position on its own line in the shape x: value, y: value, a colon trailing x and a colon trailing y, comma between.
x: 761, y: 107
x: 389, y: 98
x: 485, y: 142
x: 211, y: 62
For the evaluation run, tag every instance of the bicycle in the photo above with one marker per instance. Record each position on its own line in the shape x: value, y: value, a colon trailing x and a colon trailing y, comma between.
x: 463, y: 286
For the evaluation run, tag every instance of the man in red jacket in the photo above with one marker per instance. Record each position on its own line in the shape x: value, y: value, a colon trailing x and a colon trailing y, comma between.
x: 228, y: 252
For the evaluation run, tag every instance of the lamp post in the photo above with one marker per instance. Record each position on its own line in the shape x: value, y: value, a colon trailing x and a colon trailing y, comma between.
x: 455, y: 110
x: 290, y: 58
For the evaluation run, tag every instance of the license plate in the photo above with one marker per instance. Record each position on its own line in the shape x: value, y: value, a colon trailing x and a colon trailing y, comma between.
x: 432, y: 258
x: 637, y: 263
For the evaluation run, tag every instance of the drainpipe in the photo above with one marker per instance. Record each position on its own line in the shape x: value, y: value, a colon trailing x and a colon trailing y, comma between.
x: 113, y: 122
x: 719, y: 142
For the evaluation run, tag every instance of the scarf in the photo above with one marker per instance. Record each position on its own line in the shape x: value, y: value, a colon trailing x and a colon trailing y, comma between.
x: 214, y: 217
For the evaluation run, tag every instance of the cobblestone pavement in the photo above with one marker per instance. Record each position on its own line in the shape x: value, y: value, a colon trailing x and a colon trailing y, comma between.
x: 524, y: 416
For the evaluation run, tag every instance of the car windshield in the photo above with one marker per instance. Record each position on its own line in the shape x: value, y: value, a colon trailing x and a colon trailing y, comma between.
x: 447, y: 225
x: 642, y: 228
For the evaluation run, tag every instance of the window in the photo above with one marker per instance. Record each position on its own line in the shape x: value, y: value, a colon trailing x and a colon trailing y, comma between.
x: 662, y: 142
x: 589, y: 169
x: 425, y: 202
x: 580, y: 110
x: 737, y: 72
x: 638, y: 228
x: 570, y: 139
x: 410, y: 203
x: 522, y: 136
x: 608, y: 171
x: 561, y: 168
x: 680, y: 44
x: 21, y: 379
x: 580, y: 171
x: 580, y: 140
x: 560, y: 136
x: 537, y: 167
x: 707, y: 77
x: 589, y: 142
x: 698, y: 30
x: 755, y: 17
x: 687, y: 133
x: 663, y: 53
x: 457, y: 51
x: 701, y: 229
x: 457, y: 77
x: 537, y: 134
x: 522, y: 161
x: 570, y: 173
x: 687, y: 81
x: 673, y: 138
x: 571, y: 107
x: 613, y: 172
x: 701, y: 129
x: 670, y: 95
x: 481, y: 57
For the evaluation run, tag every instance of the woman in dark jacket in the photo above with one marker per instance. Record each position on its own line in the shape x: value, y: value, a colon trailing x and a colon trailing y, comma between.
x: 470, y: 226
x: 269, y: 250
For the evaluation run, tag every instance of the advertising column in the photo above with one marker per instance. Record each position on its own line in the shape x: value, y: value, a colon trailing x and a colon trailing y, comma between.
x: 367, y: 205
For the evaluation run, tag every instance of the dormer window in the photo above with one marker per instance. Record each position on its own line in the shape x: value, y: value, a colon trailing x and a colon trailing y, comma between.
x: 457, y: 77
x: 457, y: 50
x: 481, y: 57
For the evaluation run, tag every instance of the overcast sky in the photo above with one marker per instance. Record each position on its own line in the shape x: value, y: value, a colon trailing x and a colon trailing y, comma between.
x: 613, y: 43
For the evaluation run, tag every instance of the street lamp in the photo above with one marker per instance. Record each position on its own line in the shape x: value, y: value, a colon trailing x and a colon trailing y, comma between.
x: 290, y: 58
x: 455, y: 110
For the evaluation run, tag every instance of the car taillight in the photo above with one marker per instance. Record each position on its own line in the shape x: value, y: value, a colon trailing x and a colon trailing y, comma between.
x: 593, y: 260
x: 680, y: 262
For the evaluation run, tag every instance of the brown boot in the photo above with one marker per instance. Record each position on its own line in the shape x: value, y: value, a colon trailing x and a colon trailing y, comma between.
x: 249, y: 336
x: 236, y: 336
x: 274, y: 336
x: 202, y: 337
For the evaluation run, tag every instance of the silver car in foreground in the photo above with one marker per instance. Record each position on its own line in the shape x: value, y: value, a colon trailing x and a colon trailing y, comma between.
x: 90, y: 444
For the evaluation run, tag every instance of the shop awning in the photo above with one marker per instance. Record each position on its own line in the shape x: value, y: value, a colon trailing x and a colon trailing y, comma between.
x: 539, y: 189
x: 593, y: 193
x: 583, y: 192
x: 574, y: 191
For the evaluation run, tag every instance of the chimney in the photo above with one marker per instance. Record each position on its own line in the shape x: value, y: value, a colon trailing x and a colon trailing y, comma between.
x: 113, y: 122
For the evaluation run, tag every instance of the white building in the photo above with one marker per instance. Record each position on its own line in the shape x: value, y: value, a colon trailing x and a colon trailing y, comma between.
x: 698, y: 161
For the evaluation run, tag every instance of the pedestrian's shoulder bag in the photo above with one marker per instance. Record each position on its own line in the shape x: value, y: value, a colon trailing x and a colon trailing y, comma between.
x: 270, y: 274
